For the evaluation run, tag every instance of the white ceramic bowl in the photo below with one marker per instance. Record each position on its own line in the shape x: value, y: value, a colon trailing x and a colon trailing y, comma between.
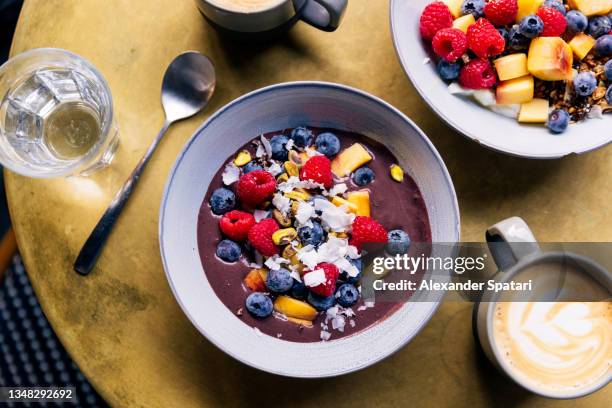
x: 483, y: 126
x: 269, y: 109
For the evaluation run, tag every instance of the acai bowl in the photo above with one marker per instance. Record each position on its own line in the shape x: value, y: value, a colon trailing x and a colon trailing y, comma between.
x: 212, y: 285
x: 522, y: 81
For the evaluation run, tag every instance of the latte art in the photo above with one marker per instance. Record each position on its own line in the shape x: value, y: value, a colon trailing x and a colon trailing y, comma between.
x: 560, y: 346
x: 245, y: 6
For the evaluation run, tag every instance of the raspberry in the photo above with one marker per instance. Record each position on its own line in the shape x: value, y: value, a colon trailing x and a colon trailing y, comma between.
x: 484, y: 39
x: 501, y: 12
x: 318, y: 169
x: 236, y: 224
x: 328, y: 287
x: 554, y: 22
x: 450, y: 44
x: 435, y: 17
x: 477, y: 74
x: 255, y: 187
x: 260, y: 237
x: 366, y: 230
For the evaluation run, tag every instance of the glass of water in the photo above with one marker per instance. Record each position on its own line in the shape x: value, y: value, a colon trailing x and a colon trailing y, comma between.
x: 56, y: 115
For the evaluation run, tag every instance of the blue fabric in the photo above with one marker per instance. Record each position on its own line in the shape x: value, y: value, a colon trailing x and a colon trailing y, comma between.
x: 30, y: 353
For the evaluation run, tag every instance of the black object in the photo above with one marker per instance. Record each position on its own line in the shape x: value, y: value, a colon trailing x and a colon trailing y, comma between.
x: 30, y: 353
x: 9, y: 12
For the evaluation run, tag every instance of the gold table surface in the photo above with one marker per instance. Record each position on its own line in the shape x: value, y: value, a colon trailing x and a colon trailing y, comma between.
x: 122, y: 325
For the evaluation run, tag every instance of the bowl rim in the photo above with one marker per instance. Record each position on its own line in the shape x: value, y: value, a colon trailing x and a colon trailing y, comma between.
x: 456, y: 229
x: 464, y: 132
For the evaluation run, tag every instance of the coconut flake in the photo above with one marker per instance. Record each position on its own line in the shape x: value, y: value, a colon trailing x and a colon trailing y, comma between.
x: 334, y: 218
x: 369, y: 303
x: 266, y: 145
x: 231, y: 174
x: 260, y: 215
x: 352, y: 323
x: 361, y: 308
x: 282, y: 203
x: 325, y: 335
x: 289, y: 145
x: 353, y: 252
x: 596, y: 112
x: 339, y: 188
x: 310, y: 152
x: 304, y: 213
x: 338, y: 323
x: 275, y: 262
x: 315, y: 278
x: 275, y: 169
x: 295, y: 274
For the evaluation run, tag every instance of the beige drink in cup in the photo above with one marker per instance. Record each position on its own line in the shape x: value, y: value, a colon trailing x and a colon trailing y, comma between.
x: 556, y: 340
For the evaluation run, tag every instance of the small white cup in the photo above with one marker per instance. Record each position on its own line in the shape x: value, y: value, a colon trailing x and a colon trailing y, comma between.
x: 325, y: 15
x: 514, y: 249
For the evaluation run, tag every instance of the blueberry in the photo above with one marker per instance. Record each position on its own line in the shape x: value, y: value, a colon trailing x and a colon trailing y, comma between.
x: 311, y: 235
x: 516, y: 40
x: 609, y: 94
x: 448, y: 71
x: 503, y: 31
x: 603, y: 46
x: 321, y: 302
x: 576, y: 21
x: 302, y: 136
x: 228, y: 250
x: 558, y: 120
x: 531, y: 26
x: 398, y: 242
x: 363, y: 176
x: 599, y: 25
x: 251, y: 166
x: 347, y: 295
x: 585, y: 83
x: 556, y: 4
x: 278, y: 144
x: 259, y: 305
x: 279, y: 280
x: 473, y: 7
x: 222, y: 200
x: 328, y: 144
x: 608, y: 70
x: 299, y: 290
x: 357, y: 263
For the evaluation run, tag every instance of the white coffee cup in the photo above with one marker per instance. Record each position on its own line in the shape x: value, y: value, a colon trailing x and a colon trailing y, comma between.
x: 270, y: 17
x: 515, y: 250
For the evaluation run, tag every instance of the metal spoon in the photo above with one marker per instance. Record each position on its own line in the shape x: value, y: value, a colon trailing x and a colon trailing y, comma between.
x: 189, y: 83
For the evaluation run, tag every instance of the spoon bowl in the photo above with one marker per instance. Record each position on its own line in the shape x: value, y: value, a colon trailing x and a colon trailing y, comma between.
x: 188, y: 85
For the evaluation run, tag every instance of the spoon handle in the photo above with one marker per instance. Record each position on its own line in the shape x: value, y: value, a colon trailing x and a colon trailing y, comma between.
x: 93, y: 246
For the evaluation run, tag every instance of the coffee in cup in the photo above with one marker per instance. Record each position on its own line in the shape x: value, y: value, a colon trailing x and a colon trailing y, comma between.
x: 246, y: 6
x: 556, y: 340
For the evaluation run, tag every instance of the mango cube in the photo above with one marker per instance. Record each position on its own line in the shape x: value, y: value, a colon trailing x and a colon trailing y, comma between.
x: 350, y: 159
x: 535, y: 111
x: 514, y: 91
x: 255, y: 280
x: 361, y: 199
x: 582, y: 44
x: 592, y: 7
x: 297, y: 309
x: 339, y: 202
x: 511, y: 66
x: 550, y: 59
x: 527, y: 7
x: 242, y: 158
x: 454, y: 7
x: 463, y: 22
